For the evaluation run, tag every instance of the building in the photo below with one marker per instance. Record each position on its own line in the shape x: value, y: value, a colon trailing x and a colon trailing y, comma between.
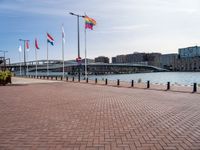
x: 139, y: 58
x: 113, y: 60
x: 189, y: 52
x: 121, y: 59
x: 187, y: 64
x: 153, y: 59
x: 101, y: 59
x: 167, y: 61
x: 135, y: 57
x: 188, y: 59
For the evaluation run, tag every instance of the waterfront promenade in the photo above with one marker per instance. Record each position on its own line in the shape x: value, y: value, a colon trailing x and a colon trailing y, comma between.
x: 43, y: 114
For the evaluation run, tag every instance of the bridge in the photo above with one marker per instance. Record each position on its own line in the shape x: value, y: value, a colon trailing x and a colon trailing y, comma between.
x: 71, y: 67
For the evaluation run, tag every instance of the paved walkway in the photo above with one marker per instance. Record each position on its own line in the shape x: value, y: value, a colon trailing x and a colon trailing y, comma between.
x: 74, y: 116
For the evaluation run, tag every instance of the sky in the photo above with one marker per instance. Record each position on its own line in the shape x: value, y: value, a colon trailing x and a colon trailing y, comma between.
x: 123, y: 26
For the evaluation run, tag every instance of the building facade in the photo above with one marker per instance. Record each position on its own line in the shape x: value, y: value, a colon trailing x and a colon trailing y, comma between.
x: 101, y: 59
x: 189, y: 52
x: 167, y: 61
x: 187, y: 64
x: 139, y: 58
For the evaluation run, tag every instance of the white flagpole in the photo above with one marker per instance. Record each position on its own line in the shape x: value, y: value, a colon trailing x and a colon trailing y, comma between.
x: 27, y: 62
x: 47, y: 60
x: 63, y: 36
x: 20, y: 67
x: 85, y: 55
x: 36, y: 62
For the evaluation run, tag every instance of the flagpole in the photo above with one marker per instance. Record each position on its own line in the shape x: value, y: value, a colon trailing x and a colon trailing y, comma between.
x: 36, y: 62
x: 63, y: 53
x: 85, y: 55
x: 27, y: 63
x: 20, y: 67
x: 47, y: 60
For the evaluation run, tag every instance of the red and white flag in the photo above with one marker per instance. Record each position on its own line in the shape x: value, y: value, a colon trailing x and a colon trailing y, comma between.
x: 27, y: 46
x: 63, y: 34
x: 36, y: 44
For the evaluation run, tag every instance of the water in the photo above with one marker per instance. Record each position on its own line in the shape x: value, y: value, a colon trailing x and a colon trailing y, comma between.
x: 183, y: 78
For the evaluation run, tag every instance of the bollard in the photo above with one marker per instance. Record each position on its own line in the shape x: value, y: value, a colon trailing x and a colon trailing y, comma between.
x: 106, y: 82
x: 95, y: 80
x: 118, y: 82
x: 86, y: 80
x: 56, y: 78
x: 195, y: 87
x: 67, y: 78
x: 79, y: 79
x: 132, y: 83
x: 73, y: 79
x: 148, y: 84
x: 52, y: 78
x: 168, y: 85
x: 47, y: 77
x: 61, y: 78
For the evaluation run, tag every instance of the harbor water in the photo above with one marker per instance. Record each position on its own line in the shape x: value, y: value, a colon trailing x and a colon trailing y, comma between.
x: 182, y: 78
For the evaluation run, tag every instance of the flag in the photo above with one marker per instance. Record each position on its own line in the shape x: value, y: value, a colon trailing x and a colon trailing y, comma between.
x: 20, y: 48
x: 63, y: 34
x: 27, y: 46
x: 36, y: 44
x: 50, y: 39
x: 89, y: 22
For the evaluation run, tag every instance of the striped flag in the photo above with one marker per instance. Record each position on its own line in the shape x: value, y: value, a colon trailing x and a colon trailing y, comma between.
x: 89, y: 22
x: 36, y: 44
x: 50, y: 39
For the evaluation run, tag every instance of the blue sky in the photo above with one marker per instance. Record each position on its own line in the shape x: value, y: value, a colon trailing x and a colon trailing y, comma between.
x: 123, y: 26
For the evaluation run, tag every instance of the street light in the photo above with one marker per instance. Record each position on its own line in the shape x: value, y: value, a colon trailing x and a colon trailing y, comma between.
x: 24, y: 54
x: 4, y: 57
x: 78, y: 16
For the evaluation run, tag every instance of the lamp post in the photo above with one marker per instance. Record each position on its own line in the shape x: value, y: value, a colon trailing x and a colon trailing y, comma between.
x: 78, y: 16
x: 4, y: 57
x: 24, y: 54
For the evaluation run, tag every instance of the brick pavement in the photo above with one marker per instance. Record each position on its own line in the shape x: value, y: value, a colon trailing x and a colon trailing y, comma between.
x: 73, y: 116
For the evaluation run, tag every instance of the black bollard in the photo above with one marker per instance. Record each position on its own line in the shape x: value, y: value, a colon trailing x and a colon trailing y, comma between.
x: 132, y: 83
x: 66, y: 78
x: 195, y: 87
x: 48, y: 77
x: 148, y: 84
x: 61, y: 78
x: 86, y: 80
x: 106, y: 82
x: 118, y: 81
x: 73, y: 79
x: 56, y: 78
x: 168, y: 85
x: 95, y: 80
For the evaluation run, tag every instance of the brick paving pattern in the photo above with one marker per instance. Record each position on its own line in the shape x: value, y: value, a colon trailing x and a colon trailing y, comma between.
x: 74, y: 116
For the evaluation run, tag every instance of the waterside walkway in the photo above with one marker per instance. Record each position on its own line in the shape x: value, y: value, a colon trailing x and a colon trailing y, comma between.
x: 65, y: 115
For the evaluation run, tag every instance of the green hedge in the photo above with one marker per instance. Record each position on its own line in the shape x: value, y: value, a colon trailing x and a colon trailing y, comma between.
x: 5, y: 77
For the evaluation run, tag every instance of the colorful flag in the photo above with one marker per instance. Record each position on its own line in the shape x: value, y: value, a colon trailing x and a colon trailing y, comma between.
x: 89, y: 22
x: 36, y: 44
x: 27, y: 46
x: 63, y: 34
x: 20, y: 48
x: 50, y: 39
